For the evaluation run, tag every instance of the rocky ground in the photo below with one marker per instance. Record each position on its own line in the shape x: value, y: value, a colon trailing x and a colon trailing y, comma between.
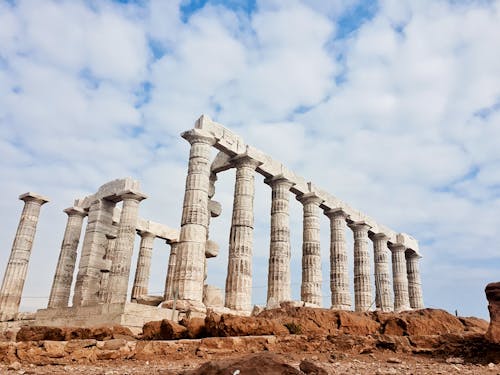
x: 289, y: 340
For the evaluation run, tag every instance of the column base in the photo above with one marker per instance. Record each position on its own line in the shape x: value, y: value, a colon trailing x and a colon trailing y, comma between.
x: 185, y: 305
x: 402, y: 308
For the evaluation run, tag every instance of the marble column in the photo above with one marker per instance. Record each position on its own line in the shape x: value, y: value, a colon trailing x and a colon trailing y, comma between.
x: 400, y: 278
x: 190, y: 251
x: 310, y: 289
x: 383, y: 295
x: 17, y: 267
x: 339, y: 274
x: 239, y: 268
x: 94, y: 248
x: 278, y: 280
x: 169, y: 282
x: 141, y: 280
x: 414, y: 282
x: 362, y: 281
x: 63, y: 278
x: 124, y: 247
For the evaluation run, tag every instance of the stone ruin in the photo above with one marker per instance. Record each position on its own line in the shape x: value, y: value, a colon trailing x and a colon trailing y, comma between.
x: 101, y: 288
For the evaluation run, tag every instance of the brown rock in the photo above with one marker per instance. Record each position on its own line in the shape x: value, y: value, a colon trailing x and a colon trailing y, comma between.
x: 7, y: 352
x: 313, y: 368
x: 163, y: 330
x: 357, y: 323
x: 195, y: 327
x: 38, y: 333
x: 473, y: 324
x: 253, y: 364
x: 493, y: 295
x: 231, y: 325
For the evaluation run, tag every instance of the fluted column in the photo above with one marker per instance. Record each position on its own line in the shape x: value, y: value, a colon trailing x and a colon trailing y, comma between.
x: 17, y: 267
x: 310, y: 289
x: 382, y: 276
x: 239, y: 268
x: 63, y: 278
x: 278, y: 280
x: 414, y: 282
x: 400, y: 278
x: 190, y: 254
x: 141, y: 280
x: 362, y: 282
x: 169, y: 282
x: 339, y: 274
x: 94, y: 248
x: 124, y: 247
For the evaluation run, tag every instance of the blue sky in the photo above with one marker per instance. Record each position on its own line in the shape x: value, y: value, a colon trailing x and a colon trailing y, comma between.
x: 393, y: 106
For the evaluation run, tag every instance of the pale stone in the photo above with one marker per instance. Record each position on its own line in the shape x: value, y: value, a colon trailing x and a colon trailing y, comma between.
x: 382, y: 277
x: 400, y: 278
x: 239, y: 269
x: 95, y: 244
x: 124, y: 247
x: 141, y: 280
x: 190, y: 251
x: 362, y: 283
x: 310, y: 289
x: 414, y: 282
x: 169, y: 282
x: 278, y: 279
x: 17, y: 267
x: 213, y: 296
x: 339, y: 273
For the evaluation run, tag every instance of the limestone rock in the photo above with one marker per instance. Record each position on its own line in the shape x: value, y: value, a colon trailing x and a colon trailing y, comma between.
x: 231, y: 325
x: 493, y: 295
x: 150, y: 300
x: 213, y: 296
x: 313, y: 368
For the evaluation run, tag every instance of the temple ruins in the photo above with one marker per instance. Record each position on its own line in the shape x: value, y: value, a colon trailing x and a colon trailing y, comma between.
x: 100, y: 294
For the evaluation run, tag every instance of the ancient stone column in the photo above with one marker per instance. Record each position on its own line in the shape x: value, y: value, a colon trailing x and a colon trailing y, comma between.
x: 17, y: 267
x: 310, y: 289
x: 190, y: 252
x: 124, y: 247
x: 414, y: 282
x: 362, y: 282
x: 278, y: 280
x: 63, y: 278
x: 169, y: 282
x: 382, y: 277
x: 339, y: 275
x: 239, y: 268
x: 95, y: 244
x: 141, y: 280
x: 400, y: 278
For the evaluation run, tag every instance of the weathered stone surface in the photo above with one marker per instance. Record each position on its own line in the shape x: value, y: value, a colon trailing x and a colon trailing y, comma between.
x: 213, y: 296
x: 231, y: 325
x: 312, y: 367
x: 362, y: 280
x: 253, y: 364
x: 164, y: 330
x: 195, y: 327
x: 493, y: 295
x: 38, y: 333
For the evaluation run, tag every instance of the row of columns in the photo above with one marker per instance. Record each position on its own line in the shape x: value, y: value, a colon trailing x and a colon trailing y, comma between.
x: 188, y: 276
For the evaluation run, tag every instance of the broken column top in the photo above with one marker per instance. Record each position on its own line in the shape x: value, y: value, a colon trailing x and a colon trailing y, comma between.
x: 33, y: 196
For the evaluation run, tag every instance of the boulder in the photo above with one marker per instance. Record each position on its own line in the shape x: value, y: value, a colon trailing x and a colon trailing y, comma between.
x: 253, y: 364
x: 493, y: 295
x: 231, y: 325
x: 195, y: 327
x: 38, y: 333
x: 163, y: 330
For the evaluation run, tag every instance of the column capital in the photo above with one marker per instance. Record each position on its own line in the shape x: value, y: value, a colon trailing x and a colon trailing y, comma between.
x: 333, y: 213
x: 146, y: 234
x: 199, y: 136
x: 131, y: 194
x: 75, y: 211
x: 359, y: 226
x: 245, y: 160
x: 33, y: 197
x: 279, y: 179
x: 397, y: 247
x: 379, y: 236
x: 310, y: 197
x: 412, y: 254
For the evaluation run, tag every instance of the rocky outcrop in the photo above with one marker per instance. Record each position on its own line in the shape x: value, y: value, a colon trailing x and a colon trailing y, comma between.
x: 493, y: 295
x: 230, y: 325
x: 39, y: 333
x: 164, y: 330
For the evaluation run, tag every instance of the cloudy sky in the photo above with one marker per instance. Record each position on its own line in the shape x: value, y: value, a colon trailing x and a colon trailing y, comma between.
x: 392, y: 106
